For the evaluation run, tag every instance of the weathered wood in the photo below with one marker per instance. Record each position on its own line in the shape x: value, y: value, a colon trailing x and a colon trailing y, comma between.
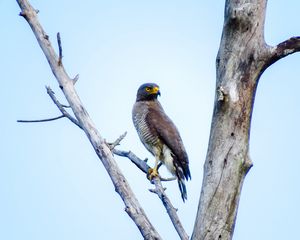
x: 159, y: 190
x: 243, y: 56
x: 172, y: 212
x: 132, y: 206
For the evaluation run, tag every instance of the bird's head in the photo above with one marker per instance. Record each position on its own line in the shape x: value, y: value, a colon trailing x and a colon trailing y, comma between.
x: 147, y: 92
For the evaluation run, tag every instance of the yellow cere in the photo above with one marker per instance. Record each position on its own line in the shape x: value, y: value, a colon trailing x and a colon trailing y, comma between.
x: 155, y: 90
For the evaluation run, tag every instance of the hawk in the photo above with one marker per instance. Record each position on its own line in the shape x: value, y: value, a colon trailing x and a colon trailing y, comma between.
x: 160, y: 136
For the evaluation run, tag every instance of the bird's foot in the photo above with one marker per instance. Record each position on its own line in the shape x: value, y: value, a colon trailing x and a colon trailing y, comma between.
x: 152, y: 173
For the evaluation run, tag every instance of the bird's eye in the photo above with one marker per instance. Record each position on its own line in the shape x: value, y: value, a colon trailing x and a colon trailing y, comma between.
x: 148, y: 89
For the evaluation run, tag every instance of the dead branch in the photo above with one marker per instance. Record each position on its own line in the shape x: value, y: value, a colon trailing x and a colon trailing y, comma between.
x: 172, y: 212
x: 117, y: 142
x: 159, y: 190
x: 141, y: 164
x: 132, y: 206
x: 41, y: 120
x: 75, y: 79
x: 283, y: 49
x: 61, y: 107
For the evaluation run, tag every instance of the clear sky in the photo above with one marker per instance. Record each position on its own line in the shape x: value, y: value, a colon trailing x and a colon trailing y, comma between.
x: 52, y: 186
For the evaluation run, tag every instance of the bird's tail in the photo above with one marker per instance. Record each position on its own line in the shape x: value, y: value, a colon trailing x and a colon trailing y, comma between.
x: 182, y: 188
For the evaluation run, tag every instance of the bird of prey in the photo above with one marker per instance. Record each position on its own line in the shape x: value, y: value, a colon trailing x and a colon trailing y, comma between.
x: 160, y: 136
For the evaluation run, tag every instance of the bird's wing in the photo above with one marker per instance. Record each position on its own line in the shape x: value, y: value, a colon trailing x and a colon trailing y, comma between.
x: 169, y: 135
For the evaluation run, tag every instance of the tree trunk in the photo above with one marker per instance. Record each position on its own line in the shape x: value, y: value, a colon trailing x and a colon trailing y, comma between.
x: 242, y: 58
x: 239, y: 66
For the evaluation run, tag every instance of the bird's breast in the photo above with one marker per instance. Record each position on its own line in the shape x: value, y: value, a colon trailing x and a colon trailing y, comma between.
x: 147, y: 136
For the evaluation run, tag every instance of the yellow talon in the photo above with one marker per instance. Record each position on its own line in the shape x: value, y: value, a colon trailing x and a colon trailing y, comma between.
x: 152, y: 172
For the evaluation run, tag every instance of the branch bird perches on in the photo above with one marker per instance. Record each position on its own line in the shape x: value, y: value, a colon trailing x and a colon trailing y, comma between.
x: 103, y: 150
x: 132, y: 206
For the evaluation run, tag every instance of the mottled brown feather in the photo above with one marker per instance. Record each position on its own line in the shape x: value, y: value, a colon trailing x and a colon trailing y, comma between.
x: 159, y: 134
x: 159, y: 122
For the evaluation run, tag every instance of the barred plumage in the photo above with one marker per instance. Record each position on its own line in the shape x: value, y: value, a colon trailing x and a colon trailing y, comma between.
x: 159, y: 134
x: 147, y: 138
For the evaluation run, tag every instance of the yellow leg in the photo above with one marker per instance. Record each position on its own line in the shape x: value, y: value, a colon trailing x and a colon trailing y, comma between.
x: 152, y: 172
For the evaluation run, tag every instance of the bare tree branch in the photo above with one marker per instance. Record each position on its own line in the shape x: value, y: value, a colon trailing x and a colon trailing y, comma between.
x: 159, y: 190
x: 61, y: 107
x: 75, y: 79
x: 132, y: 206
x: 172, y: 212
x: 142, y: 165
x: 117, y: 142
x: 41, y: 120
x: 283, y: 49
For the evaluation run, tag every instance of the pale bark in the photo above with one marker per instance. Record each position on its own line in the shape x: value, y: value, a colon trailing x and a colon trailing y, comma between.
x: 160, y: 191
x: 132, y: 206
x: 243, y: 56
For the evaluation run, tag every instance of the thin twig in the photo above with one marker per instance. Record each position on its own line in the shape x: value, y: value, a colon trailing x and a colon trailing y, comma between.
x: 59, y: 49
x: 61, y: 108
x: 41, y: 120
x: 117, y: 142
x: 75, y: 79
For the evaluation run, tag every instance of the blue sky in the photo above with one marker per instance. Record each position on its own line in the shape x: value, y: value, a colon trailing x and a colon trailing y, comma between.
x: 52, y: 184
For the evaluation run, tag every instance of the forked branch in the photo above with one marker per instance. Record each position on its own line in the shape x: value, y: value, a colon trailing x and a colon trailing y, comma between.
x: 102, y: 149
x: 159, y: 190
x: 60, y: 106
x: 132, y: 206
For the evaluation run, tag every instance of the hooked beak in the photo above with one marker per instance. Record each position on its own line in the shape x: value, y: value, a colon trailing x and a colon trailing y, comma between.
x: 156, y: 91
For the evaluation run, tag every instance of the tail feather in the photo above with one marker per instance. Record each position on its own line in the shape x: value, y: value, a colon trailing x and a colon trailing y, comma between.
x: 182, y: 188
x: 182, y: 172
